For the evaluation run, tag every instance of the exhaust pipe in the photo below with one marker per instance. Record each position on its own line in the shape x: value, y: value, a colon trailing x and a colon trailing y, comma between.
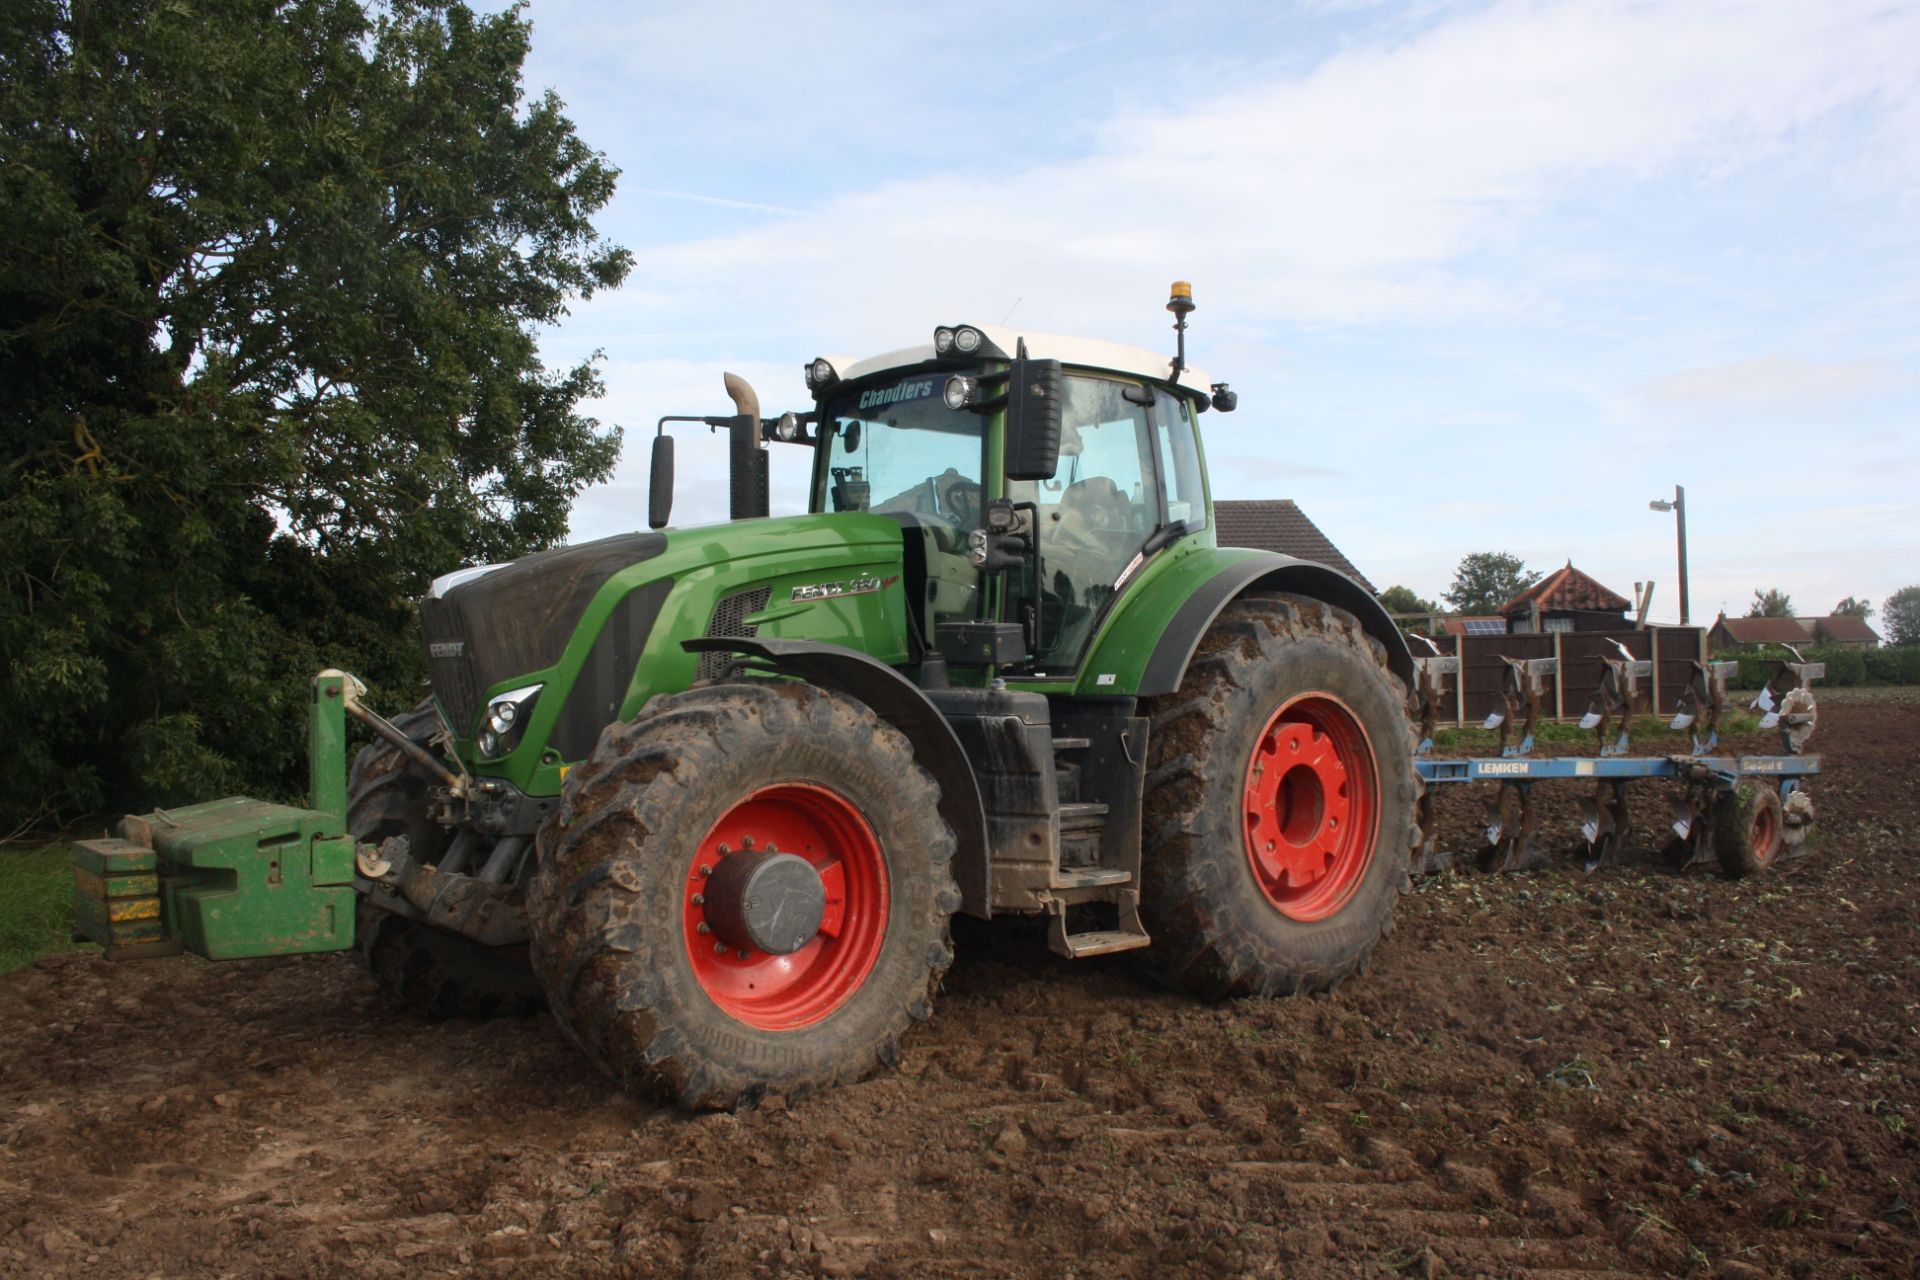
x: 748, y: 498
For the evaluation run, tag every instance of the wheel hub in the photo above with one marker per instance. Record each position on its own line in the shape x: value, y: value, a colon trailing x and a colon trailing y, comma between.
x: 765, y: 901
x: 784, y: 906
x: 1310, y: 808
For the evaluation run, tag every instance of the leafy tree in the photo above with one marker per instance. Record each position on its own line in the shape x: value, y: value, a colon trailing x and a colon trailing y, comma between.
x: 270, y: 278
x: 1901, y: 613
x: 1403, y: 600
x: 1855, y: 606
x: 1771, y: 603
x: 1485, y: 580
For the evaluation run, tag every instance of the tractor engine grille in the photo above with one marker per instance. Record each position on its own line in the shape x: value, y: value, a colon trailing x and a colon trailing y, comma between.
x: 729, y: 619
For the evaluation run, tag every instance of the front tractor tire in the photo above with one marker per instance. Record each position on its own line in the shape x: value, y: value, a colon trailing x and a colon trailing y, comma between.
x: 746, y: 891
x: 1281, y: 804
x: 431, y: 971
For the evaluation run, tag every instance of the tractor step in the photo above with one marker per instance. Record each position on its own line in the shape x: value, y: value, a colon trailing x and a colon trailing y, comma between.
x: 1089, y: 877
x: 1072, y: 744
x: 1079, y: 817
x: 1076, y: 946
x: 1130, y: 936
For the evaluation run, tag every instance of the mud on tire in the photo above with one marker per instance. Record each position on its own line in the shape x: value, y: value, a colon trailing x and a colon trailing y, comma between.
x: 431, y: 971
x: 1223, y: 923
x: 1749, y: 830
x: 617, y: 940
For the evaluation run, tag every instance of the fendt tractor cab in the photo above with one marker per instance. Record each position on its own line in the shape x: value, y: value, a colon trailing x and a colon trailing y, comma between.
x: 713, y: 793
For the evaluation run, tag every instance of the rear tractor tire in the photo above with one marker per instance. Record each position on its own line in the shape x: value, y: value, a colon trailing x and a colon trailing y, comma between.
x: 431, y: 971
x: 1281, y: 801
x: 746, y: 891
x: 1749, y: 830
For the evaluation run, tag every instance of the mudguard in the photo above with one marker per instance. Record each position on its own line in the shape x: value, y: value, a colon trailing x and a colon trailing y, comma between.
x: 899, y: 702
x: 1266, y: 571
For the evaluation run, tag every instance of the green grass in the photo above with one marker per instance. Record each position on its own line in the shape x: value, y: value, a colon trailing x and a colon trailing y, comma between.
x: 36, y: 904
x: 1648, y: 734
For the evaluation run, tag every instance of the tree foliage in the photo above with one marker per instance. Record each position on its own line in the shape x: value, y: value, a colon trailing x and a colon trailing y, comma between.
x: 1485, y: 580
x: 270, y: 278
x: 1771, y: 603
x: 1853, y: 606
x: 1901, y: 613
x: 1398, y: 599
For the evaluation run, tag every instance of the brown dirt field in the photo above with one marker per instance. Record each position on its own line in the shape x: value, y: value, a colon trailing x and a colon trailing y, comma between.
x: 1548, y: 1074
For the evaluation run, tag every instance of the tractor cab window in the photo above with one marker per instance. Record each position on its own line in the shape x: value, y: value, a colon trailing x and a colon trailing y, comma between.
x: 895, y: 449
x: 1094, y: 514
x: 1179, y: 461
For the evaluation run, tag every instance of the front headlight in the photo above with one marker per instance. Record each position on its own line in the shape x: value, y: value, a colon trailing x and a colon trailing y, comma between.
x: 507, y: 715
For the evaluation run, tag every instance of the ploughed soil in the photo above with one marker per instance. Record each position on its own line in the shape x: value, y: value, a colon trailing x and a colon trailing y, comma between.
x: 1552, y: 1073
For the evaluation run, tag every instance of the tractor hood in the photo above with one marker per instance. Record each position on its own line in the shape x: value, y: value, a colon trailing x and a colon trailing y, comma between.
x: 597, y: 628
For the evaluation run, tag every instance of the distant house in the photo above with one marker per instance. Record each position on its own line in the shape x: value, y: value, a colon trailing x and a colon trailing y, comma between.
x: 1844, y: 628
x: 1566, y: 600
x: 1279, y: 525
x: 1839, y: 628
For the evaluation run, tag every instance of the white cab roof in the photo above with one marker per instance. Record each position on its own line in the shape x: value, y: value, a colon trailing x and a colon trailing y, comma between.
x: 1085, y: 353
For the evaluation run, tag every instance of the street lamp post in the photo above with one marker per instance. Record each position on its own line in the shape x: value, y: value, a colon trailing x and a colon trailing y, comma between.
x: 1679, y: 508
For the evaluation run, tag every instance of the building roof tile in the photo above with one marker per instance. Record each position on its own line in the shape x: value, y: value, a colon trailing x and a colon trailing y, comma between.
x: 1279, y: 525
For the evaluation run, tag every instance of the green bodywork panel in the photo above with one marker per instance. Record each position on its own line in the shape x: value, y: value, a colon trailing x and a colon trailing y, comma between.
x: 860, y: 553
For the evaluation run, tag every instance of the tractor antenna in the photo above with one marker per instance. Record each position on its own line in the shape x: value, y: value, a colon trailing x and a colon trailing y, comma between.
x: 1015, y: 307
x: 1181, y: 304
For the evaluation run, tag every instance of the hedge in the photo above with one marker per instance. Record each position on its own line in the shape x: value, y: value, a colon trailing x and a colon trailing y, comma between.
x: 1846, y: 665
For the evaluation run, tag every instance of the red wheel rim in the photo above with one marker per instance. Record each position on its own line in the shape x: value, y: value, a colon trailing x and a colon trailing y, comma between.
x: 1766, y: 836
x: 787, y: 992
x: 1311, y: 811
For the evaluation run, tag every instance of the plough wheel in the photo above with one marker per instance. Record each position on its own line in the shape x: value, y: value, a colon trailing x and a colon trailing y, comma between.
x: 1749, y: 830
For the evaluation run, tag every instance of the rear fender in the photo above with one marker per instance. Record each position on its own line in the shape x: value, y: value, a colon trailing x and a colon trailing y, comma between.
x: 1263, y: 572
x: 900, y: 703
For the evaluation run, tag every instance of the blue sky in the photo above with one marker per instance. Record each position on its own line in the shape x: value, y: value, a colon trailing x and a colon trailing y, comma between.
x: 1486, y: 275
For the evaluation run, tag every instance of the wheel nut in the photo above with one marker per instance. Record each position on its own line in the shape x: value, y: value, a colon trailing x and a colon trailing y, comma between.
x: 719, y: 948
x: 699, y: 899
x: 703, y: 927
x: 743, y: 953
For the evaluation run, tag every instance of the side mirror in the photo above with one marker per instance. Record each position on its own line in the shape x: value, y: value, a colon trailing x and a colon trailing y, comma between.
x: 660, y: 483
x: 1036, y: 394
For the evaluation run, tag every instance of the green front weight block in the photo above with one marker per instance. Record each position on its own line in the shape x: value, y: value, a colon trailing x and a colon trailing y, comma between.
x: 232, y: 878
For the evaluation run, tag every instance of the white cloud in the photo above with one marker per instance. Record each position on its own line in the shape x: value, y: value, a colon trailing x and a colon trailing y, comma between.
x: 1354, y: 192
x: 1773, y: 384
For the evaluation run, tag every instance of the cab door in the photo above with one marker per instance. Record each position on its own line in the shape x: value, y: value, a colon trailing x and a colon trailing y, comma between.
x: 1101, y: 506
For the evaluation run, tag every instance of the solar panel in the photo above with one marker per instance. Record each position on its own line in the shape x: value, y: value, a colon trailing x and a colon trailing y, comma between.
x: 1485, y: 626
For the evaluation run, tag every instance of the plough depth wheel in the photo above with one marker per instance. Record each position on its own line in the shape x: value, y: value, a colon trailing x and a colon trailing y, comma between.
x: 1749, y: 829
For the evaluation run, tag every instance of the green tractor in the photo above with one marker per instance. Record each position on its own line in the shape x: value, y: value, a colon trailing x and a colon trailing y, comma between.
x: 712, y: 794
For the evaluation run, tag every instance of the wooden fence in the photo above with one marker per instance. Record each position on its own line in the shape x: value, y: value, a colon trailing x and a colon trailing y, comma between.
x: 1476, y: 692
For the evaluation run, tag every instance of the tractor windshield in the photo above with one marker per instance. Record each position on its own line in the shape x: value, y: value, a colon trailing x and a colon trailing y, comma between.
x: 895, y: 448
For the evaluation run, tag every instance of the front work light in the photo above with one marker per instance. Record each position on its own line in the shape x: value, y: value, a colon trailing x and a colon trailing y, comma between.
x: 507, y: 715
x: 943, y: 341
x: 959, y: 392
x: 820, y: 375
x: 967, y: 339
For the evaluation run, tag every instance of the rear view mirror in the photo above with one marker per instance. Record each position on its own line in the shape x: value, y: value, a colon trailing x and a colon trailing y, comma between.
x: 1035, y: 395
x: 660, y: 483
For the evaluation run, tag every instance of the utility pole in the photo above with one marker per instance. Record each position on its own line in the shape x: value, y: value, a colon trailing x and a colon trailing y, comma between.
x: 1679, y: 508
